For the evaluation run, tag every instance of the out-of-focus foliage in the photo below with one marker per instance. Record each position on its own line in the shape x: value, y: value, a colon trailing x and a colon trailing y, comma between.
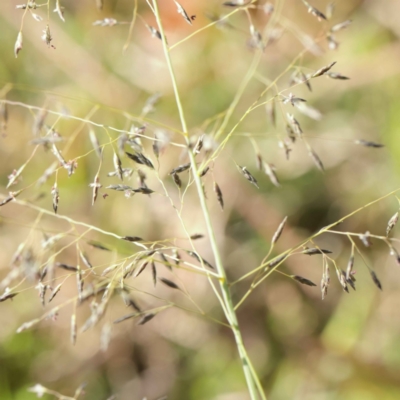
x: 344, y: 347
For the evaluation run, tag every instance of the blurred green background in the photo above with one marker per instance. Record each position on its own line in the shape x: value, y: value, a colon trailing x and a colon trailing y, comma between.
x: 345, y: 347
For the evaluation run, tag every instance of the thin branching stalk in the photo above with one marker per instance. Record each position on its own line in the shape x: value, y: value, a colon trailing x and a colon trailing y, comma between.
x: 251, y: 379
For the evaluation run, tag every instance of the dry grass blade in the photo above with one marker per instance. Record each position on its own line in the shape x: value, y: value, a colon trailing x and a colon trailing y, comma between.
x: 279, y: 231
x: 220, y: 198
x: 169, y: 283
x: 302, y: 280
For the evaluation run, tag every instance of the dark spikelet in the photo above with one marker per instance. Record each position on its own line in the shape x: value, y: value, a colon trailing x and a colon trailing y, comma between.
x: 165, y: 260
x: 196, y: 236
x: 125, y: 317
x: 143, y: 190
x: 317, y: 161
x: 218, y: 192
x: 169, y: 283
x: 204, y: 171
x: 392, y: 222
x: 146, y: 318
x: 313, y: 251
x: 351, y: 282
x: 7, y: 296
x: 154, y: 272
x: 302, y: 280
x: 66, y: 267
x: 335, y: 75
x: 367, y: 143
x: 276, y: 261
x: 139, y: 158
x: 98, y: 245
x: 271, y: 112
x: 55, y: 291
x: 177, y: 180
x: 180, y: 168
x: 323, y: 70
x: 141, y: 269
x: 133, y: 304
x: 248, y: 176
x: 234, y: 3
x: 199, y: 259
x: 132, y: 238
x: 56, y: 197
x: 6, y: 200
x: 376, y: 280
x: 279, y: 231
x: 259, y: 161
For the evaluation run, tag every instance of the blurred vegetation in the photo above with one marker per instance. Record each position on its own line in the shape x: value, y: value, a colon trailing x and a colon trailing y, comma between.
x: 345, y: 347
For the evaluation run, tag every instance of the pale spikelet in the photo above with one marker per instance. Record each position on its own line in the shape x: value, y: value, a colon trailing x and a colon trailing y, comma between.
x: 365, y: 238
x: 330, y: 8
x: 74, y: 329
x: 323, y: 70
x: 350, y: 265
x: 341, y: 25
x: 279, y: 231
x: 184, y: 14
x: 96, y: 185
x: 95, y: 143
x: 105, y: 336
x: 28, y: 325
x: 59, y: 10
x: 294, y: 124
x: 151, y: 102
x: 342, y: 279
x: 117, y: 166
x: 271, y: 112
x: 269, y: 169
x: 392, y: 222
x: 18, y: 44
x: 313, y: 11
x: 56, y: 197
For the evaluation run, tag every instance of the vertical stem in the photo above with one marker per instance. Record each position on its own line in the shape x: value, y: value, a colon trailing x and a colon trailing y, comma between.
x: 229, y: 307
